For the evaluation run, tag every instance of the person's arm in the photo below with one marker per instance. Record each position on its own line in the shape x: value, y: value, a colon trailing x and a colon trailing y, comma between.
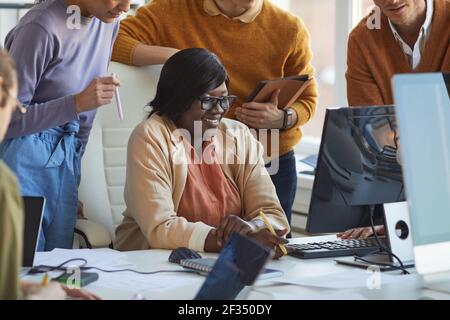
x: 138, y: 42
x: 149, y: 55
x: 37, y: 291
x: 269, y: 115
x: 11, y: 237
x: 54, y: 291
x: 259, y: 193
x: 362, y: 89
x: 148, y: 195
x: 300, y: 63
x: 33, y: 50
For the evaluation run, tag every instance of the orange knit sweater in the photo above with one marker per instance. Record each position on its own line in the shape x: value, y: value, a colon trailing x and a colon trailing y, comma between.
x: 275, y: 44
x: 374, y: 56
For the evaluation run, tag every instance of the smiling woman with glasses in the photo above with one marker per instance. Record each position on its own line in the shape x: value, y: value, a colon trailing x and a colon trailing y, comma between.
x: 181, y: 190
x: 209, y: 102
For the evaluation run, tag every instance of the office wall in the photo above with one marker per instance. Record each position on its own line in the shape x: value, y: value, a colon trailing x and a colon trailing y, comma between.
x: 8, y: 19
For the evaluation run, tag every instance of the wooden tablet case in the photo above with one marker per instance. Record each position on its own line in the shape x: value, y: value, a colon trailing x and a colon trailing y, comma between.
x: 290, y: 89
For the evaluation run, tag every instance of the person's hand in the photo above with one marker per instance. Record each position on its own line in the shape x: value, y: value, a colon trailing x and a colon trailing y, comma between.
x: 211, y: 242
x: 230, y: 224
x: 79, y: 293
x: 51, y: 291
x: 80, y: 211
x: 262, y: 115
x: 99, y: 92
x: 361, y: 233
x: 267, y: 239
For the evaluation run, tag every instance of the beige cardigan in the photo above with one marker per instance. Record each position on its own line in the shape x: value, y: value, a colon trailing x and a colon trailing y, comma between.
x: 156, y: 177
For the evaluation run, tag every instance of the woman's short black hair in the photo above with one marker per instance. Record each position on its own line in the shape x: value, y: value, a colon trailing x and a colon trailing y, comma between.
x: 186, y: 76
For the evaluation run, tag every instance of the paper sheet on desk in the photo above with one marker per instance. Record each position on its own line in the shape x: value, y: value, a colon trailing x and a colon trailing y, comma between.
x: 346, y: 280
x: 281, y: 265
x: 100, y: 258
x: 139, y: 283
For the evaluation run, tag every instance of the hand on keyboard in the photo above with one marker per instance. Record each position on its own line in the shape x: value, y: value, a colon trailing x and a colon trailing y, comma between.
x: 361, y: 233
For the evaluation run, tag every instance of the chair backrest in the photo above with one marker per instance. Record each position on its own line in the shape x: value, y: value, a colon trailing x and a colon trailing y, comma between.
x: 104, y: 162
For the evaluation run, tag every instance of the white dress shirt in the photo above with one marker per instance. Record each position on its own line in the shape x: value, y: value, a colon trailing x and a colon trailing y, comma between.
x: 415, y: 54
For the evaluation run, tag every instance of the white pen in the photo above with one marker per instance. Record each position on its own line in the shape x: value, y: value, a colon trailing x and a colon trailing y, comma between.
x: 118, y: 103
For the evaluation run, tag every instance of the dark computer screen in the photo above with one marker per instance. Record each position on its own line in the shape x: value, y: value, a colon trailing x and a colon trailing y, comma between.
x: 357, y: 166
x: 447, y: 82
x: 239, y: 264
x: 34, y: 210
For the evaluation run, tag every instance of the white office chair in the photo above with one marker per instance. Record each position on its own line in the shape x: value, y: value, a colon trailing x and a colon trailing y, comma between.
x: 104, y: 162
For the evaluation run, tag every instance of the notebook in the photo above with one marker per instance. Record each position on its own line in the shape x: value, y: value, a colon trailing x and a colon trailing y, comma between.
x: 290, y: 89
x: 239, y: 264
x: 205, y: 265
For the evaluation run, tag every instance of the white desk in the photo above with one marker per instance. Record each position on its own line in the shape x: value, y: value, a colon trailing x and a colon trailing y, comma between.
x: 152, y: 260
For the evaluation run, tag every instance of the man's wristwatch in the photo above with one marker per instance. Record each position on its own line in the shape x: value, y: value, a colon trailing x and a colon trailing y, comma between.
x: 288, y: 117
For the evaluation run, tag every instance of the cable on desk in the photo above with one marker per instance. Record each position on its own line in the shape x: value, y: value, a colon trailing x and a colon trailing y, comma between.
x: 83, y: 266
x: 383, y: 249
x: 381, y: 264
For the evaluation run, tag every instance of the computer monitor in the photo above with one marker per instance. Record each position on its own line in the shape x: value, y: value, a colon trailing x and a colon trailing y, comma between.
x: 424, y: 122
x: 357, y: 167
x: 34, y: 212
x: 239, y: 264
x: 447, y: 81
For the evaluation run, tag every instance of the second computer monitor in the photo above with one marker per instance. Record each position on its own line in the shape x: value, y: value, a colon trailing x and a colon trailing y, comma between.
x: 358, y: 166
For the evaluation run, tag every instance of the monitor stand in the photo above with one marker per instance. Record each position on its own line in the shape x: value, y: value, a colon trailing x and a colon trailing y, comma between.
x: 398, y: 234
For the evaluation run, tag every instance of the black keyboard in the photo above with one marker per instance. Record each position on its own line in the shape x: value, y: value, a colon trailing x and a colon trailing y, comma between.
x: 338, y: 248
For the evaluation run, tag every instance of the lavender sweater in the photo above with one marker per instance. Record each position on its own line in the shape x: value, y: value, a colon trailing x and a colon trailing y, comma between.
x: 54, y: 63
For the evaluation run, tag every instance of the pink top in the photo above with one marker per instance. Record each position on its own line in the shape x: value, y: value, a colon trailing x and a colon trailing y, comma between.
x: 208, y: 195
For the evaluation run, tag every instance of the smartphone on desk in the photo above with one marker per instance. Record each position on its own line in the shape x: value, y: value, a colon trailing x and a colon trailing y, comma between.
x: 85, y: 278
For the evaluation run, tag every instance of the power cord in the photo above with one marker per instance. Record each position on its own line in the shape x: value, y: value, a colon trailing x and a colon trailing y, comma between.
x: 83, y: 266
x: 381, y: 263
x: 383, y: 249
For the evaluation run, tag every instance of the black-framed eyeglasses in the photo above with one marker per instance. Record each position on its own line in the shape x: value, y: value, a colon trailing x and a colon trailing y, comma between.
x: 209, y: 102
